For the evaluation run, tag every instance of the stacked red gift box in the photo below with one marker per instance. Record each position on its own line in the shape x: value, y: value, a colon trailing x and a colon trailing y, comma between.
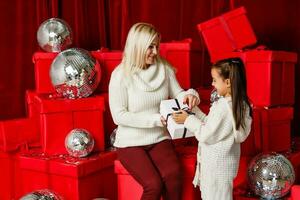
x: 270, y: 85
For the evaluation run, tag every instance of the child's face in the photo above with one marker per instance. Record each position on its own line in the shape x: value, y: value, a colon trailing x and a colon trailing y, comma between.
x: 222, y: 85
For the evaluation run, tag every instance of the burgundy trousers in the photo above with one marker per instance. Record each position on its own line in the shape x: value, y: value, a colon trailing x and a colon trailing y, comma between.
x: 156, y: 168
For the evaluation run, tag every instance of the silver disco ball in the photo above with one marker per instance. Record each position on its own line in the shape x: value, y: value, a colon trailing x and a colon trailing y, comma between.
x: 41, y: 195
x: 54, y: 35
x: 270, y: 175
x: 75, y: 73
x: 214, y: 96
x: 79, y: 143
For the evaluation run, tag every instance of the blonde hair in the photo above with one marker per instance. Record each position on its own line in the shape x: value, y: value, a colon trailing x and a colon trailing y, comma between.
x: 139, y: 38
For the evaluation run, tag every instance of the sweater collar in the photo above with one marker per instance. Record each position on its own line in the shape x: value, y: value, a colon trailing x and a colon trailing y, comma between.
x: 151, y: 78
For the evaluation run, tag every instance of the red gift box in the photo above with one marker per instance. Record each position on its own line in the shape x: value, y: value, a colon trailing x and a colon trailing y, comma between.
x: 253, y: 144
x: 226, y: 33
x: 108, y: 60
x: 270, y: 77
x: 42, y: 62
x: 71, y: 178
x: 109, y: 125
x: 276, y: 128
x: 272, y: 71
x: 128, y: 188
x: 10, y: 182
x: 295, y: 192
x: 30, y: 108
x: 58, y: 117
x: 178, y: 54
x: 18, y: 133
x: 295, y: 160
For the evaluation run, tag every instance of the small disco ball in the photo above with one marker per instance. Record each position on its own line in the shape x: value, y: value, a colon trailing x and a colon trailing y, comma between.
x: 214, y: 96
x: 79, y: 143
x: 75, y: 73
x: 41, y: 195
x: 54, y: 35
x: 270, y: 175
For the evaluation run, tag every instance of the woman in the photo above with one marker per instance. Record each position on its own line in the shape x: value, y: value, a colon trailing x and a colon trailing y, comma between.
x: 137, y: 86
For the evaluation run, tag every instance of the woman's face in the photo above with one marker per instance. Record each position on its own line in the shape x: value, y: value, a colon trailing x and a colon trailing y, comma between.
x: 152, y: 51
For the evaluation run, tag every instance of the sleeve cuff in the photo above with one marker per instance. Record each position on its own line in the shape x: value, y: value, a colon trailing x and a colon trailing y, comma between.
x: 191, y: 123
x: 157, y: 120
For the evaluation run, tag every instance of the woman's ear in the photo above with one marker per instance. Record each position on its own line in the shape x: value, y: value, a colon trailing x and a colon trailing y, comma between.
x: 227, y: 82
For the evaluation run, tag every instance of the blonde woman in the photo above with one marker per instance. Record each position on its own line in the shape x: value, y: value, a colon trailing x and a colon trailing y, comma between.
x: 137, y: 86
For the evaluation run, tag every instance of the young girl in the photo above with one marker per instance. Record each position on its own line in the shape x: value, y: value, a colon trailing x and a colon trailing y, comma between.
x: 221, y: 131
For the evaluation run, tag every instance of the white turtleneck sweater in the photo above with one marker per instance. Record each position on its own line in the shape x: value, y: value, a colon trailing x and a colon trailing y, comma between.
x: 134, y: 103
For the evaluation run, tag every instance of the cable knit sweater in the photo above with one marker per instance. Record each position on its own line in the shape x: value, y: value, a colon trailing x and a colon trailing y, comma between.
x: 134, y: 103
x: 219, y: 148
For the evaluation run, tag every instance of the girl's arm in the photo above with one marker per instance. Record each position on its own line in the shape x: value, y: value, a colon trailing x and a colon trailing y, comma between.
x: 213, y: 128
x: 119, y: 107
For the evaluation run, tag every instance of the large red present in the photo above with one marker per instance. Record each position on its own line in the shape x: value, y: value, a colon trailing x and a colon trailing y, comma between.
x: 229, y: 32
x: 272, y: 71
x: 18, y: 133
x: 270, y: 77
x: 31, y: 111
x: 71, y: 178
x: 42, y: 62
x: 108, y: 60
x: 295, y: 192
x: 253, y: 144
x: 58, y: 117
x: 10, y: 182
x: 295, y: 160
x: 128, y: 188
x: 109, y: 125
x: 178, y: 54
x: 276, y: 128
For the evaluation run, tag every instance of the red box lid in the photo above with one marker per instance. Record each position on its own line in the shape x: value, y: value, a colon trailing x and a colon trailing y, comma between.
x: 49, y: 105
x: 244, y: 36
x: 278, y: 114
x: 66, y: 165
x: 215, y: 21
x: 18, y: 133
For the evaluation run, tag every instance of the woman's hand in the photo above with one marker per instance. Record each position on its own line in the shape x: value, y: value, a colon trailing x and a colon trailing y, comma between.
x: 163, y: 121
x: 191, y: 100
x: 180, y: 116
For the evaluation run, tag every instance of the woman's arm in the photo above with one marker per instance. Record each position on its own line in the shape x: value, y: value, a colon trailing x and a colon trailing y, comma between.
x: 119, y: 107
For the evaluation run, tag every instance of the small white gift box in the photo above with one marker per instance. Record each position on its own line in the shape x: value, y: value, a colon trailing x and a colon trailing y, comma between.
x: 167, y: 107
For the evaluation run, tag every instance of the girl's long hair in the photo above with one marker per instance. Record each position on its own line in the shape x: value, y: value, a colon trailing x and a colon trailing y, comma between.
x: 234, y: 70
x: 139, y: 38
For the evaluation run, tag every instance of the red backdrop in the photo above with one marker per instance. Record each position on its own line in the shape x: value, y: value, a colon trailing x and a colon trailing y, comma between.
x: 105, y: 23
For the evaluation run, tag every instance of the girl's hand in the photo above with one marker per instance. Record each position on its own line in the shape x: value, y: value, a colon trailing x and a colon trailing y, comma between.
x: 191, y: 100
x: 180, y: 116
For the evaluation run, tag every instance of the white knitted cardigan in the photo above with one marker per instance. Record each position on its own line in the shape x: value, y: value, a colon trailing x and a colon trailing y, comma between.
x: 219, y: 146
x: 134, y: 103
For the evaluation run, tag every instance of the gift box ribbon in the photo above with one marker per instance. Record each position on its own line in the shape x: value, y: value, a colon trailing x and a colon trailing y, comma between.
x: 179, y: 108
